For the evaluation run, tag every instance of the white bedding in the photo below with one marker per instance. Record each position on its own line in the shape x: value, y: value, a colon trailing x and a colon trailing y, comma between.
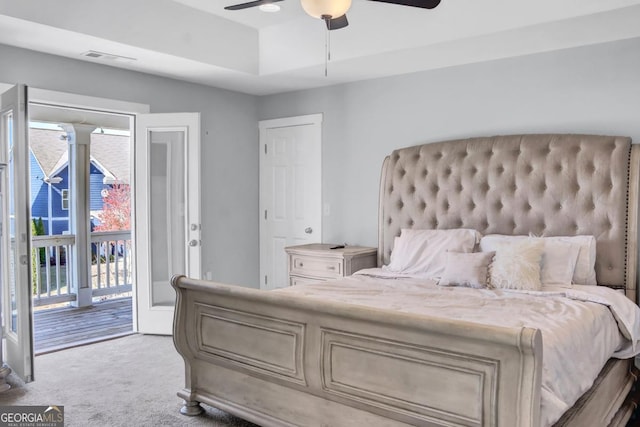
x: 571, y: 321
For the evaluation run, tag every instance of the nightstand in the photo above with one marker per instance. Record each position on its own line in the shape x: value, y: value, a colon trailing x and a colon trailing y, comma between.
x: 316, y: 262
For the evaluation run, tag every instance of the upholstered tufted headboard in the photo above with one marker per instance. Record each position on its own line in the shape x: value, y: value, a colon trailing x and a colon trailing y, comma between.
x: 547, y: 185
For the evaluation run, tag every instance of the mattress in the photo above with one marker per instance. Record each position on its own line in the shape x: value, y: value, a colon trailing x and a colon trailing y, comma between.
x: 582, y: 326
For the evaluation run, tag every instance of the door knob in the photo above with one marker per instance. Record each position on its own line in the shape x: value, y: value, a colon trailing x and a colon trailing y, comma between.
x: 308, y: 230
x: 193, y: 242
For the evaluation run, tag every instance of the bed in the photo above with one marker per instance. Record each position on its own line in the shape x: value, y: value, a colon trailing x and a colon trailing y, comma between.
x: 290, y: 359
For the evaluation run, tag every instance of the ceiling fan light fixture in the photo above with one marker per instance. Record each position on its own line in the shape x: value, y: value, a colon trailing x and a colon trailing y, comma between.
x: 269, y: 7
x: 322, y: 8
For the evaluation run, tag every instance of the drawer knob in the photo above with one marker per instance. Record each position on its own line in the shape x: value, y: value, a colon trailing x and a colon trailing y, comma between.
x: 301, y: 265
x: 308, y: 230
x: 331, y: 267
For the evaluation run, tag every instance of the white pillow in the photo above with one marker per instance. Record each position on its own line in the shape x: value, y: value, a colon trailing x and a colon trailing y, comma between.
x: 558, y: 262
x: 559, y: 258
x: 423, y: 252
x: 585, y: 271
x: 516, y: 265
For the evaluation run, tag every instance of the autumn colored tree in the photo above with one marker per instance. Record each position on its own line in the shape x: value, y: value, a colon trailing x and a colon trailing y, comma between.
x: 116, y: 211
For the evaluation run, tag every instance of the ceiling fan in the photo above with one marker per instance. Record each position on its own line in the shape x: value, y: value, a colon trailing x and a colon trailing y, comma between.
x: 333, y: 11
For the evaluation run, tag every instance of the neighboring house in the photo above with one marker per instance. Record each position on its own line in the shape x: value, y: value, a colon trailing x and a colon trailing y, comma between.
x: 49, y: 156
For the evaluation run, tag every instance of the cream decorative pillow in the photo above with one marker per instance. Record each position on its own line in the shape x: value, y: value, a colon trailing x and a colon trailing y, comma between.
x: 517, y: 265
x: 560, y: 256
x: 466, y: 269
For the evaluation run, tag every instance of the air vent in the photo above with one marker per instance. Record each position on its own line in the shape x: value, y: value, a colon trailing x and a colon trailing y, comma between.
x: 107, y: 56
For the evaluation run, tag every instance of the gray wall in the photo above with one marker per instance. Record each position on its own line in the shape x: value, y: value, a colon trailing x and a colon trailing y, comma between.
x: 594, y: 89
x: 229, y: 126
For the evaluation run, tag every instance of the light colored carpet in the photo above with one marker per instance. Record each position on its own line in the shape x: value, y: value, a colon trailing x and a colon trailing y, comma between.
x: 130, y: 381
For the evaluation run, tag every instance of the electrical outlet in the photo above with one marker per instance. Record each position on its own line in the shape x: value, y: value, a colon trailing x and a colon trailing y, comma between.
x: 208, y: 275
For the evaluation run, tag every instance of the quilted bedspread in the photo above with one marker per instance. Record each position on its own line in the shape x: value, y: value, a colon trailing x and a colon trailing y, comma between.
x: 571, y: 320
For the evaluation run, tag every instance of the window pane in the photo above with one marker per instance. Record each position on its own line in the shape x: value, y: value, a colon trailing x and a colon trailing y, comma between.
x: 8, y: 178
x: 167, y: 212
x: 65, y: 200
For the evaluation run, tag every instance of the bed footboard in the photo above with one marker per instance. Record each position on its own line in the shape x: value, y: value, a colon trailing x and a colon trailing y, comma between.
x: 281, y: 360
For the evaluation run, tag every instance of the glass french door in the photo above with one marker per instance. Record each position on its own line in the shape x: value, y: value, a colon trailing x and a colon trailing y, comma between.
x: 167, y: 214
x: 15, y: 261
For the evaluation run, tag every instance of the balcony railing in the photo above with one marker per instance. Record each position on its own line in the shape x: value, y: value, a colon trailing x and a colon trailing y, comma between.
x: 51, y: 272
x: 111, y: 266
x: 111, y: 271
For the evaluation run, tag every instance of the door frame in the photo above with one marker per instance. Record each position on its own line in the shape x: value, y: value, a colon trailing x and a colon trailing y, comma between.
x: 314, y: 120
x: 107, y: 105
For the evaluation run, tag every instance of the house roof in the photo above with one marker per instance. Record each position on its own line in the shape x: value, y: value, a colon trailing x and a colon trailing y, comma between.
x: 48, y: 148
x: 112, y: 153
x: 109, y: 153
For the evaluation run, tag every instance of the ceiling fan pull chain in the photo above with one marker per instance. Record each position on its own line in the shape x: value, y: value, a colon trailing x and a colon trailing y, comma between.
x: 327, y: 43
x: 326, y: 53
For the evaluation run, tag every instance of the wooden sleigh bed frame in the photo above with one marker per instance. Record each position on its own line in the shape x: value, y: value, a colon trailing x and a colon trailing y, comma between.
x: 283, y: 360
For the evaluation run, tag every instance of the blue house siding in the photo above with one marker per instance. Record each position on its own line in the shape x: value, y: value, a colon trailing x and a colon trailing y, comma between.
x: 95, y: 188
x: 39, y: 192
x: 60, y: 226
x: 56, y: 199
x: 40, y: 196
x: 61, y: 216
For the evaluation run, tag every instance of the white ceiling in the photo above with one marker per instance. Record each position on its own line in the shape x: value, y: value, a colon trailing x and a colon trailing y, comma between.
x: 263, y: 53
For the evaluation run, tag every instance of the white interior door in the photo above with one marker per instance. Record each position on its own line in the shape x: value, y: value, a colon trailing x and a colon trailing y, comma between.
x: 167, y: 213
x: 290, y: 191
x: 16, y: 229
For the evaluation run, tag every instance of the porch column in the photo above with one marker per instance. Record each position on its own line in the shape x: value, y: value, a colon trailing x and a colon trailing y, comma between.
x: 79, y: 139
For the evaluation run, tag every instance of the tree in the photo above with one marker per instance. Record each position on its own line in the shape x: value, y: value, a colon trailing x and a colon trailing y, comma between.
x: 116, y: 211
x: 37, y: 229
x: 35, y: 265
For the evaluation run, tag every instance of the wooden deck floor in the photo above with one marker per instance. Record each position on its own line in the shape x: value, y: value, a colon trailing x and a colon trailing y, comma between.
x: 60, y: 328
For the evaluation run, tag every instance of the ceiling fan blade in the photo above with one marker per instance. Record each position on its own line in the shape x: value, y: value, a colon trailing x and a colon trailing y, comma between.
x: 337, y: 23
x: 425, y: 4
x: 250, y: 4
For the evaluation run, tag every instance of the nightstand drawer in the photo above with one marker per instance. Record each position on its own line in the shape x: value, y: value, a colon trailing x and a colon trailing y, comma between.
x: 317, y: 266
x: 298, y: 280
